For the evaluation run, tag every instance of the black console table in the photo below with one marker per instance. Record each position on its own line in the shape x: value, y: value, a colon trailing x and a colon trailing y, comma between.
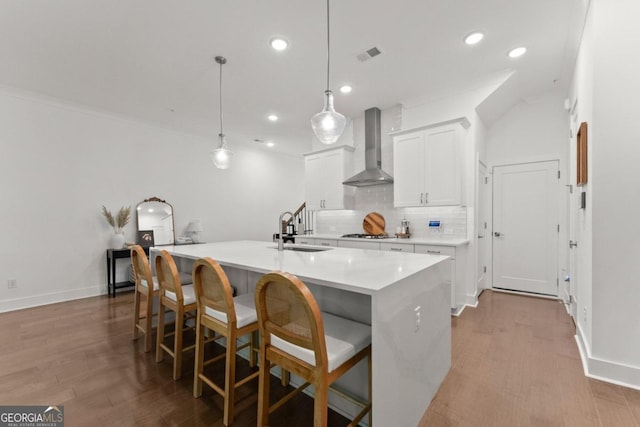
x: 112, y: 256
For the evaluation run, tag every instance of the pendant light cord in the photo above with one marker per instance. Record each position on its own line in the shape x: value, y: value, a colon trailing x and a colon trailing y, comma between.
x: 328, y: 46
x: 221, y: 133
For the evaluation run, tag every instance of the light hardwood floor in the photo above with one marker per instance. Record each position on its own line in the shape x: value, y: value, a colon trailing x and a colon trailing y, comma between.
x: 514, y: 363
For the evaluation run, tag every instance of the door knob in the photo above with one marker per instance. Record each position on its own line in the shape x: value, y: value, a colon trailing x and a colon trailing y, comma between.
x: 497, y: 233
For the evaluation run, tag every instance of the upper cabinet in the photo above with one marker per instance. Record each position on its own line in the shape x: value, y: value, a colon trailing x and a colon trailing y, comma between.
x: 427, y: 165
x: 324, y: 173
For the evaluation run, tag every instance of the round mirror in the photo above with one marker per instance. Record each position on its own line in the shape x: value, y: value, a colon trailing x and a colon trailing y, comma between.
x: 156, y: 215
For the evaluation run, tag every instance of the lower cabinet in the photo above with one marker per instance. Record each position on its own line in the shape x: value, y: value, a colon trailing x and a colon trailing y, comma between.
x: 318, y: 242
x: 305, y: 241
x: 443, y: 250
x: 358, y: 244
x: 327, y: 242
x: 396, y: 247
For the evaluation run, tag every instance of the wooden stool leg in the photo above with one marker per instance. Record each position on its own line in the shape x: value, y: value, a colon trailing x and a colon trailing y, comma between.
x: 284, y: 377
x: 263, y: 390
x: 199, y: 356
x: 230, y: 380
x: 253, y: 340
x: 136, y: 314
x: 160, y: 338
x: 177, y: 345
x: 149, y: 323
x: 320, y: 405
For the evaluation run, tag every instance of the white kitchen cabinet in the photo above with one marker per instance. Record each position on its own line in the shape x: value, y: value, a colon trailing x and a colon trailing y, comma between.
x: 396, y: 247
x: 359, y: 244
x: 316, y: 242
x: 427, y: 166
x: 305, y: 241
x: 327, y: 242
x: 443, y: 250
x: 324, y: 173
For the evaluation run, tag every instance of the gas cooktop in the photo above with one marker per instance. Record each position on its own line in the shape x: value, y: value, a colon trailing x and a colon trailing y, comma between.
x: 366, y: 236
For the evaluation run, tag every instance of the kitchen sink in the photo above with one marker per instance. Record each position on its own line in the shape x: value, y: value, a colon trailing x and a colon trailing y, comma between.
x: 299, y: 248
x: 307, y: 249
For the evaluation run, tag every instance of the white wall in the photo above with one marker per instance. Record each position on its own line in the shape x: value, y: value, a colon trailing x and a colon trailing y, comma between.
x: 581, y: 104
x: 615, y: 153
x: 532, y: 130
x: 61, y: 163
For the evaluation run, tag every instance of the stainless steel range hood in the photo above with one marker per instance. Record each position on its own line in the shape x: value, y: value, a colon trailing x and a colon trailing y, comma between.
x: 373, y: 174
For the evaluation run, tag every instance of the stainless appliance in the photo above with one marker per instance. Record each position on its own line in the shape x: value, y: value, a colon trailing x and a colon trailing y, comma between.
x: 373, y: 174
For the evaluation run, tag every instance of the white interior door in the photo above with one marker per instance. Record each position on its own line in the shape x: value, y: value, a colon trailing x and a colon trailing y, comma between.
x: 525, y: 227
x: 482, y: 229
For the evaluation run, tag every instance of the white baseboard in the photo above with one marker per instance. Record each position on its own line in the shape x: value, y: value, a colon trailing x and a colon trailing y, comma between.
x: 51, y: 298
x: 606, y: 370
x: 470, y: 301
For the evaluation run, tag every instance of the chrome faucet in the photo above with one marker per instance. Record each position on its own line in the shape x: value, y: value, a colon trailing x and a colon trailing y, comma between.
x: 280, y: 241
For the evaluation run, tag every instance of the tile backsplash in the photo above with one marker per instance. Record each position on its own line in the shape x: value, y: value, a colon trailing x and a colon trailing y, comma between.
x: 379, y: 199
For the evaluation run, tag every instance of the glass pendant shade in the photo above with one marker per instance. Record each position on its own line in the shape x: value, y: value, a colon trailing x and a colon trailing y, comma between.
x: 222, y: 156
x: 328, y: 125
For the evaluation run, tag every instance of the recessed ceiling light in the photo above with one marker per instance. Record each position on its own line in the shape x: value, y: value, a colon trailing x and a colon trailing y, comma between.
x: 270, y: 144
x: 279, y: 43
x: 346, y: 89
x: 272, y: 117
x: 473, y: 38
x: 519, y: 51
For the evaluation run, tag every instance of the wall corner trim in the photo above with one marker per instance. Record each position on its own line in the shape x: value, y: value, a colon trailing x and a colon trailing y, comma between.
x: 606, y: 370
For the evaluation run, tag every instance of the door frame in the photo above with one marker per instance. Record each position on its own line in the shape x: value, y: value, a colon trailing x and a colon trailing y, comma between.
x: 482, y: 227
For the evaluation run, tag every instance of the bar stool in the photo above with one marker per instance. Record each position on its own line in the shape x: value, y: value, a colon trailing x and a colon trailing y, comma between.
x: 144, y: 277
x: 228, y: 317
x: 179, y: 299
x: 319, y: 347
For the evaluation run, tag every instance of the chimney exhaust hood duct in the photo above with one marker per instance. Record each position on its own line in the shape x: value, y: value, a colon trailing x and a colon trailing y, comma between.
x: 373, y: 174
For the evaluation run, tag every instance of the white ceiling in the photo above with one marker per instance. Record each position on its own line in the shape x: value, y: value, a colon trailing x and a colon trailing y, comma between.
x: 153, y: 59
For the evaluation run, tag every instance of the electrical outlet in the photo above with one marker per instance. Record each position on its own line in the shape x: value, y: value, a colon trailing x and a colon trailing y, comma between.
x: 12, y: 284
x: 418, y: 318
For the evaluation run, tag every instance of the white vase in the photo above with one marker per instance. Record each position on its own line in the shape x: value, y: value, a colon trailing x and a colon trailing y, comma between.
x: 117, y: 240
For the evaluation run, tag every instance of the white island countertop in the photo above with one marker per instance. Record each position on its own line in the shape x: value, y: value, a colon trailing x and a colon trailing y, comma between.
x: 355, y: 270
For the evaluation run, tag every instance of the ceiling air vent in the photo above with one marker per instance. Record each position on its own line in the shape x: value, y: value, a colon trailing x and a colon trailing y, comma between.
x: 368, y: 54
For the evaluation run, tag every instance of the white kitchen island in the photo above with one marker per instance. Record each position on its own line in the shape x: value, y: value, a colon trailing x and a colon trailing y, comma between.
x: 403, y: 296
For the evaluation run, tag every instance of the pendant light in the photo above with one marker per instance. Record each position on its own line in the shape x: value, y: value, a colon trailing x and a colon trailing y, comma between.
x: 328, y: 124
x: 221, y: 156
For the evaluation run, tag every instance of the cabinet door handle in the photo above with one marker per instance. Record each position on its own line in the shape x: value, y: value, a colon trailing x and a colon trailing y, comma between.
x: 497, y: 234
x: 432, y: 252
x: 426, y: 198
x: 396, y: 249
x: 421, y: 194
x: 325, y: 244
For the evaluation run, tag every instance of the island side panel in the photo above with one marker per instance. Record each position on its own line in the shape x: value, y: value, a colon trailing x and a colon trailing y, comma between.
x: 410, y: 360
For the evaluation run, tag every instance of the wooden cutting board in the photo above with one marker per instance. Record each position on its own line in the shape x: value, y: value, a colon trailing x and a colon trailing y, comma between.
x: 373, y: 224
